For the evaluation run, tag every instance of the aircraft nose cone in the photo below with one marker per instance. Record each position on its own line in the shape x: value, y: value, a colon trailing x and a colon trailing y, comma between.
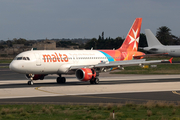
x: 10, y: 66
x: 13, y: 66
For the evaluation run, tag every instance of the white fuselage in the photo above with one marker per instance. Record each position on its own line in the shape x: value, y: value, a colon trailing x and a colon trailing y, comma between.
x: 55, y: 61
x: 172, y: 50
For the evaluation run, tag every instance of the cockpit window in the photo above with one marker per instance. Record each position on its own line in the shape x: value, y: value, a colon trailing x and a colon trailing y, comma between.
x: 19, y: 58
x: 22, y: 58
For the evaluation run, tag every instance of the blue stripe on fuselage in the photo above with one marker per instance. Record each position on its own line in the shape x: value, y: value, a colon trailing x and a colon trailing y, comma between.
x: 108, y: 56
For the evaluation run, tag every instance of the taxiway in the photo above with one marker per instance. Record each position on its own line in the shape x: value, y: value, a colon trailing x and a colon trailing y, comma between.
x: 113, y: 88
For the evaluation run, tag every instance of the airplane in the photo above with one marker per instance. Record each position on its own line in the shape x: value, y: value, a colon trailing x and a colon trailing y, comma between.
x: 154, y: 46
x: 85, y: 64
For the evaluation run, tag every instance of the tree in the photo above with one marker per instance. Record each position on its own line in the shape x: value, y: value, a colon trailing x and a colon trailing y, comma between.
x: 100, y: 43
x: 164, y: 35
x: 142, y: 40
x: 65, y: 43
x: 91, y: 43
x: 9, y: 43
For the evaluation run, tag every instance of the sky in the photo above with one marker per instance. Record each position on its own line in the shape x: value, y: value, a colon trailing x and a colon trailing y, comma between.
x: 40, y: 19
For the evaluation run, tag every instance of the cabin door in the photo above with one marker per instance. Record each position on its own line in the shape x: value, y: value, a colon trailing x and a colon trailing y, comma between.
x: 38, y: 59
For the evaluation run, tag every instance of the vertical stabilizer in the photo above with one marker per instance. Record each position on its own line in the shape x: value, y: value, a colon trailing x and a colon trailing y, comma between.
x: 132, y: 39
x: 151, y: 39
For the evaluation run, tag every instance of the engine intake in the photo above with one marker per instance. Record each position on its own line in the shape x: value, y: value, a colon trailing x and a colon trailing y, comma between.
x: 85, y: 74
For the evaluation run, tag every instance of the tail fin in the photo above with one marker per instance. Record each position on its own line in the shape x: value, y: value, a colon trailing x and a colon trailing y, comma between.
x: 132, y: 39
x: 151, y: 39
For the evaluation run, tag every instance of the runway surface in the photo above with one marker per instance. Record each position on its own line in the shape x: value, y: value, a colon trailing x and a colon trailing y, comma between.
x: 112, y: 88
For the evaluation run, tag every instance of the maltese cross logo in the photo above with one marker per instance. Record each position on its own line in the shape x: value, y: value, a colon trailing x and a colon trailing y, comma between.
x: 135, y: 40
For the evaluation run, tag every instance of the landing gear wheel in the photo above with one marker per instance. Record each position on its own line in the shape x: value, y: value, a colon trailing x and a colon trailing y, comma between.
x: 61, y: 80
x: 96, y: 81
x: 30, y: 82
x: 58, y: 79
x: 91, y: 81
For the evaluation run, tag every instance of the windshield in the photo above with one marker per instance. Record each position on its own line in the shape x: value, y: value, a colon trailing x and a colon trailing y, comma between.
x: 21, y: 58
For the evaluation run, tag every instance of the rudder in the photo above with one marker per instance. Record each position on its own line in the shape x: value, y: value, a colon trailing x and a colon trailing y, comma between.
x: 132, y: 39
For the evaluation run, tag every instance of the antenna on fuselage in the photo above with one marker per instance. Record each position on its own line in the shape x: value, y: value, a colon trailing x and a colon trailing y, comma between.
x: 92, y: 48
x: 31, y: 49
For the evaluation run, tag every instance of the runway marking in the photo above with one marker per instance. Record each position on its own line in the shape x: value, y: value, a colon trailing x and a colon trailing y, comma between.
x: 37, y: 88
x: 175, y: 92
x: 114, y: 98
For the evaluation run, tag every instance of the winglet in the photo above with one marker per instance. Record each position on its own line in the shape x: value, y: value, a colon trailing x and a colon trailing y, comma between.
x: 170, y: 60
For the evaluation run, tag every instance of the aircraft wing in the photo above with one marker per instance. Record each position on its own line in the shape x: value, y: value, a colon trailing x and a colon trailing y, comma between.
x: 119, y: 64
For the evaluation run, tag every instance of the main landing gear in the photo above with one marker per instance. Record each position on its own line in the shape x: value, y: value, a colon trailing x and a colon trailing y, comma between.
x: 94, y: 81
x: 61, y: 79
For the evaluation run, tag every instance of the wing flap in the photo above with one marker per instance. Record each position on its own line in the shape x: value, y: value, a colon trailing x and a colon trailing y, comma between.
x: 129, y: 63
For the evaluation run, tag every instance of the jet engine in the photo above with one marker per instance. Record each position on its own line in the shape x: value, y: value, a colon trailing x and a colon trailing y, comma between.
x: 85, y: 74
x: 35, y: 76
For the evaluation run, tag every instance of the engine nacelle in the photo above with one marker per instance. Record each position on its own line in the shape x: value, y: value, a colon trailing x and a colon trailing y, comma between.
x: 35, y: 76
x: 85, y: 74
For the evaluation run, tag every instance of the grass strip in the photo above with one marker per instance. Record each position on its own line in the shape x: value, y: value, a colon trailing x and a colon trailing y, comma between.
x: 5, y: 61
x: 152, y: 110
x: 160, y: 69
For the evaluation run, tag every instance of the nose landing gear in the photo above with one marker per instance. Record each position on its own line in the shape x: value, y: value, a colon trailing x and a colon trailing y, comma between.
x: 30, y: 76
x: 30, y: 82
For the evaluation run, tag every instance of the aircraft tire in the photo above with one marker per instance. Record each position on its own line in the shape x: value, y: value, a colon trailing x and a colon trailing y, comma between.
x: 96, y: 81
x: 63, y: 80
x: 58, y: 79
x: 30, y: 82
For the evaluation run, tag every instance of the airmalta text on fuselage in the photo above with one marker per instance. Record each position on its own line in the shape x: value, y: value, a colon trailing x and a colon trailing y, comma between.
x: 56, y: 57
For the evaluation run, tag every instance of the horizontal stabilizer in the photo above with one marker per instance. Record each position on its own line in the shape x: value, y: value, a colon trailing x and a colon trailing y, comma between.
x: 148, y: 55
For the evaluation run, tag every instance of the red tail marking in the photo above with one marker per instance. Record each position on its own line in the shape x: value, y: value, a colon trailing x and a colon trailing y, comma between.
x: 132, y: 39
